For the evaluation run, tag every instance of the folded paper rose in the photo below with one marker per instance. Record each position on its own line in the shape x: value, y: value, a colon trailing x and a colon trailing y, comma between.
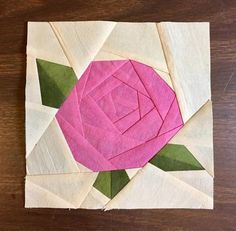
x: 118, y: 115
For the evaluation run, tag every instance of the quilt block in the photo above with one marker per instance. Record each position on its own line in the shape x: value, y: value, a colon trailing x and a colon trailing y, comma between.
x: 118, y: 115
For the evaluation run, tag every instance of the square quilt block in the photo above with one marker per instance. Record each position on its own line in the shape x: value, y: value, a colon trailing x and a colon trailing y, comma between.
x: 118, y: 115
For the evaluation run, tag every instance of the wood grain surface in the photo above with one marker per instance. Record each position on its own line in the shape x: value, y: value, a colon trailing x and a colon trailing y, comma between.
x: 13, y: 22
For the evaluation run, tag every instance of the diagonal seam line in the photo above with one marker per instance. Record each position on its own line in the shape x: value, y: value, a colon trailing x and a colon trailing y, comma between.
x: 137, y: 121
x: 165, y: 56
x: 166, y: 115
x: 131, y: 86
x: 98, y: 191
x: 189, y: 184
x: 146, y: 142
x: 146, y: 89
x: 112, y: 104
x: 59, y: 127
x: 181, y: 92
x: 87, y: 143
x: 212, y: 175
x: 75, y: 205
x: 42, y: 133
x: 183, y: 182
x: 110, y: 75
x: 90, y: 66
x: 148, y: 112
x: 63, y: 46
x: 195, y: 114
x: 48, y: 191
x: 169, y: 69
x: 77, y: 100
x: 170, y: 130
x: 98, y: 97
x: 122, y: 188
x: 112, y: 124
x: 78, y: 133
x: 139, y: 106
x: 126, y: 115
x: 60, y: 41
x: 127, y: 57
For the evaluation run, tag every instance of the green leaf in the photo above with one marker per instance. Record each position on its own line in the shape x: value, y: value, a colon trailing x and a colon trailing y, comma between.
x: 110, y: 183
x: 175, y: 157
x: 103, y: 183
x: 56, y: 82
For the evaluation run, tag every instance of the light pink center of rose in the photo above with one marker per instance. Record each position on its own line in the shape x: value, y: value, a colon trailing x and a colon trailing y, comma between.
x: 119, y: 115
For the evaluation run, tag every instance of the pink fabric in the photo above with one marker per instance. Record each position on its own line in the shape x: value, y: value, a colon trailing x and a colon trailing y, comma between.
x: 119, y: 115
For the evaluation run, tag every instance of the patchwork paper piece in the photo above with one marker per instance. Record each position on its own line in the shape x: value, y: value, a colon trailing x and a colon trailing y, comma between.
x: 175, y: 157
x: 56, y: 82
x: 111, y: 183
x: 118, y: 115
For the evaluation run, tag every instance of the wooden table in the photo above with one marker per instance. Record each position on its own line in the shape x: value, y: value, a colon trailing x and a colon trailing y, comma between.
x: 13, y: 22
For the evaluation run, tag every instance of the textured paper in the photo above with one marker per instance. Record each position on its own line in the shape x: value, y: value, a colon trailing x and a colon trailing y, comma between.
x: 118, y: 115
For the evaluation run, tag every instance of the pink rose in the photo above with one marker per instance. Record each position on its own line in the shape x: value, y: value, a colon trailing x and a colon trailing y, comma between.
x: 119, y: 115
